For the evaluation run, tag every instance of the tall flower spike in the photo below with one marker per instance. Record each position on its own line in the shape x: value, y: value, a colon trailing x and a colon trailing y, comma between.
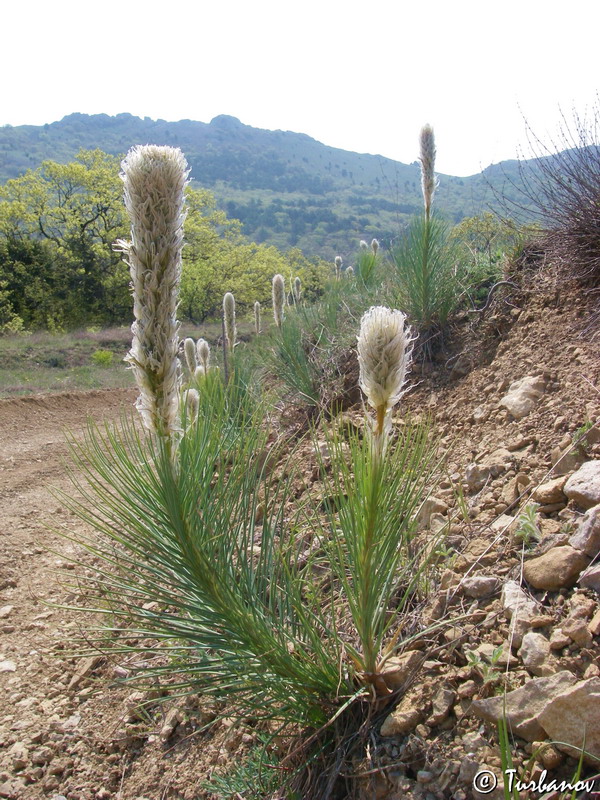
x: 154, y: 180
x: 257, y: 317
x: 203, y: 351
x: 363, y: 245
x: 374, y: 246
x: 278, y: 299
x: 189, y: 349
x: 229, y: 317
x: 338, y: 266
x: 297, y: 289
x: 384, y: 355
x: 428, y: 181
x: 349, y: 272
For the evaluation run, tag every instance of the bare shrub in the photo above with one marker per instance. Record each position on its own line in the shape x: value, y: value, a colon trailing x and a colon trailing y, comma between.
x: 562, y: 183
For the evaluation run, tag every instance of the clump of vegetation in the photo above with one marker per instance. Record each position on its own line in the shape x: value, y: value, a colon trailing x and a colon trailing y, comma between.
x: 239, y: 612
x: 425, y: 282
x: 103, y: 358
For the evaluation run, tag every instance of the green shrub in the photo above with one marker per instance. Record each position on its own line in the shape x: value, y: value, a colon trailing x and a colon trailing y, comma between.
x: 424, y: 283
x: 102, y: 358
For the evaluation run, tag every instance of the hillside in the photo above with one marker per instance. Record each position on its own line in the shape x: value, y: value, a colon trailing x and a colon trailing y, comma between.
x: 76, y: 728
x: 287, y: 188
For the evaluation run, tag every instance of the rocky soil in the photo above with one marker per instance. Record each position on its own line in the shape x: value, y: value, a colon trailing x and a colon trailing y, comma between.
x: 516, y: 409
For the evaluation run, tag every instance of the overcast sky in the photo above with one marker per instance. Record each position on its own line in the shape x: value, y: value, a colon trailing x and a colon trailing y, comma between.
x: 360, y: 76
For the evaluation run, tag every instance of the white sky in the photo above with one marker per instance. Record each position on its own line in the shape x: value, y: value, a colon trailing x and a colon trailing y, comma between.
x: 362, y: 76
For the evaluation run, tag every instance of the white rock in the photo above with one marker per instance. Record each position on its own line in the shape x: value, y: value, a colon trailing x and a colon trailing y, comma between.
x: 523, y: 707
x: 535, y: 654
x: 523, y: 395
x: 516, y: 601
x: 587, y: 536
x: 590, y: 579
x: 571, y: 720
x: 584, y: 485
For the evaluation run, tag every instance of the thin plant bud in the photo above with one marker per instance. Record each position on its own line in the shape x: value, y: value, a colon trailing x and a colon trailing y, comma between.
x: 349, y: 273
x: 229, y: 317
x: 384, y: 355
x: 297, y: 289
x: 338, y: 266
x: 199, y: 372
x: 257, y: 317
x: 203, y: 352
x: 191, y: 403
x: 363, y: 245
x: 154, y: 182
x: 374, y: 246
x: 427, y: 159
x: 189, y: 349
x: 278, y: 299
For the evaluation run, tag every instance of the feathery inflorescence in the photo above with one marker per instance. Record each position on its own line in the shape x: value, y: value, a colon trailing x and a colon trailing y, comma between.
x: 427, y: 159
x: 278, y: 299
x: 384, y: 356
x: 257, y: 317
x: 203, y: 352
x: 154, y: 181
x: 229, y: 317
x: 189, y: 350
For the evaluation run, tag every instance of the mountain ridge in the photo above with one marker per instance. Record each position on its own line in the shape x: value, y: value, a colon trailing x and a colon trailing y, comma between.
x: 287, y: 188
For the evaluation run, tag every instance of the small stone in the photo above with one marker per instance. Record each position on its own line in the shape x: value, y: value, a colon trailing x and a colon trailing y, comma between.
x: 587, y: 536
x: 572, y: 717
x: 567, y: 459
x: 404, y: 719
x: 86, y: 667
x: 550, y: 492
x: 467, y: 689
x: 516, y: 601
x: 5, y: 611
x: 523, y: 396
x: 582, y: 607
x: 558, y: 568
x: 577, y: 630
x: 559, y: 640
x: 535, y: 654
x: 398, y: 670
x: 19, y: 754
x: 41, y: 756
x: 522, y: 707
x: 547, y: 754
x: 480, y: 585
x: 172, y: 720
x: 432, y: 505
x: 8, y: 666
x: 590, y: 579
x: 594, y: 626
x: 583, y: 487
x: 442, y: 703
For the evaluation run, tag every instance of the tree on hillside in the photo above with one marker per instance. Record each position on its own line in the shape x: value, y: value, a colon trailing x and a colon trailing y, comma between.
x: 58, y: 266
x: 70, y: 214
